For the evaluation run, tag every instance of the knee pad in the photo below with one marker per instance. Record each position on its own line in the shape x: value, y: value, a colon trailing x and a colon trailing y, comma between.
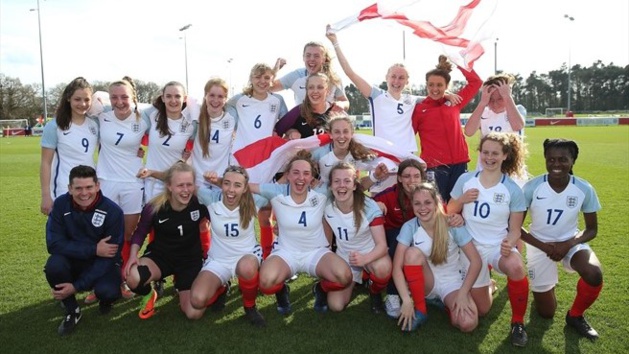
x: 145, y: 275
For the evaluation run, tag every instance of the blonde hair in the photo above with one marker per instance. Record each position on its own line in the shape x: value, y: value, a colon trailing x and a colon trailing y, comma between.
x: 326, y: 67
x: 246, y: 206
x: 205, y: 121
x: 440, y: 237
x: 513, y: 147
x: 159, y: 201
x: 258, y: 69
x: 358, y: 150
x: 130, y: 84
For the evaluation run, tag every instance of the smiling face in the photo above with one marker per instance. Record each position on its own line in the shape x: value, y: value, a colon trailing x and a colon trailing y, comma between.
x: 173, y: 97
x: 410, y: 178
x: 436, y: 87
x: 424, y: 205
x: 83, y: 191
x: 233, y: 187
x: 299, y: 177
x: 397, y: 79
x: 261, y: 83
x: 341, y: 133
x: 121, y: 98
x: 215, y: 99
x: 80, y: 102
x: 317, y: 89
x: 314, y: 57
x: 181, y: 189
x: 492, y: 155
x: 559, y: 163
x: 342, y: 184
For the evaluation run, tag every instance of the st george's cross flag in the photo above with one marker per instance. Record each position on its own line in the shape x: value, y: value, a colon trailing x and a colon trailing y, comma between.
x: 470, y: 23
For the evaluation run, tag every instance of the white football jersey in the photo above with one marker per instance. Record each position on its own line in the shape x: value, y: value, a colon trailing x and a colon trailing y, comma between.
x: 164, y: 151
x: 300, y: 225
x: 219, y: 142
x: 256, y: 119
x: 348, y: 238
x: 487, y: 218
x: 296, y: 81
x: 73, y: 147
x: 120, y: 140
x: 413, y: 234
x: 392, y: 119
x: 326, y: 160
x: 555, y: 216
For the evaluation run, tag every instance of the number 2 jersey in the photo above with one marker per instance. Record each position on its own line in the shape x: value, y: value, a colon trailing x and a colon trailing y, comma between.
x: 487, y: 218
x: 554, y: 216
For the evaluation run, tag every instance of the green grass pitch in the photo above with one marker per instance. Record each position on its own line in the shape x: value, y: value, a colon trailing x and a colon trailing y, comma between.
x: 29, y: 317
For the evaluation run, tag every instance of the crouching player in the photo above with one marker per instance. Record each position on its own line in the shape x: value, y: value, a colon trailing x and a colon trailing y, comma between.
x: 234, y: 250
x: 175, y: 216
x: 83, y: 234
x: 427, y: 261
x: 555, y: 201
x: 357, y: 223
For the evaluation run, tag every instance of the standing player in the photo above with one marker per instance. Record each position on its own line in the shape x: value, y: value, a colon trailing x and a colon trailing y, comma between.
x: 302, y: 245
x: 493, y: 207
x: 121, y: 132
x: 170, y: 135
x: 555, y: 201
x: 437, y: 122
x: 69, y: 140
x: 217, y: 123
x: 317, y: 59
x: 175, y: 216
x: 427, y: 261
x: 357, y: 224
x: 234, y: 250
x: 497, y: 112
x: 258, y: 111
x: 83, y: 235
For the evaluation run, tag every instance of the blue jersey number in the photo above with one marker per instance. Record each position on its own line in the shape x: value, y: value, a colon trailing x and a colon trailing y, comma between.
x: 481, y: 209
x: 495, y: 129
x: 557, y: 212
x: 165, y: 143
x: 231, y: 230
x: 215, y: 137
x: 120, y: 135
x: 257, y: 123
x: 342, y: 234
x: 399, y: 109
x: 85, y: 143
x: 302, y: 219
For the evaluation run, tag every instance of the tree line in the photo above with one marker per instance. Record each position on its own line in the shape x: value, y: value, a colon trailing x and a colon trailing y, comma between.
x: 596, y: 88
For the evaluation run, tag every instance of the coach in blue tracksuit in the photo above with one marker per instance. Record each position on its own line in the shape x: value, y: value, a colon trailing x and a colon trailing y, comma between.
x: 84, y: 233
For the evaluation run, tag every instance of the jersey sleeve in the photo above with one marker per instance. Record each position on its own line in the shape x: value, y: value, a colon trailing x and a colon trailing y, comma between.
x: 372, y: 210
x: 49, y: 136
x: 260, y: 201
x: 405, y: 236
x: 144, y: 225
x: 517, y: 203
x: 208, y: 196
x: 289, y: 79
x: 591, y: 204
x: 283, y: 107
x: 529, y: 189
x: 521, y: 109
x: 271, y: 190
x: 457, y: 190
x: 460, y: 235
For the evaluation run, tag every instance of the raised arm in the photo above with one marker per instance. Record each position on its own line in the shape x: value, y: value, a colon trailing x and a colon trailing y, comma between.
x: 362, y: 85
x: 473, y: 123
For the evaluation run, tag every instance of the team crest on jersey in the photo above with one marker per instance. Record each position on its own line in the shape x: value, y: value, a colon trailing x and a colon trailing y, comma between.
x: 314, y: 201
x: 184, y: 126
x: 572, y: 201
x: 407, y: 100
x: 136, y: 127
x: 194, y: 215
x: 93, y: 131
x: 98, y: 219
x: 273, y: 108
x: 499, y: 198
x: 226, y: 124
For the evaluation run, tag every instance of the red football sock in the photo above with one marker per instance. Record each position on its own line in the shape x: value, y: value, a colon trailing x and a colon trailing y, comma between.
x: 518, y: 291
x: 249, y: 290
x: 206, y: 238
x: 266, y: 240
x: 586, y: 295
x: 378, y: 284
x: 328, y: 286
x: 218, y: 293
x: 414, y: 275
x: 273, y: 289
x: 126, y: 252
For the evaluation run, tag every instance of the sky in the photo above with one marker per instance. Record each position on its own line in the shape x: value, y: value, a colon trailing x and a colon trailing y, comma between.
x: 105, y: 40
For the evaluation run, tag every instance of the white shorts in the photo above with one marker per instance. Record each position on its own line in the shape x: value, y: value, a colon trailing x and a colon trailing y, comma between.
x: 152, y: 187
x: 301, y: 262
x: 543, y: 270
x: 489, y: 255
x: 225, y: 268
x: 444, y: 285
x: 128, y: 195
